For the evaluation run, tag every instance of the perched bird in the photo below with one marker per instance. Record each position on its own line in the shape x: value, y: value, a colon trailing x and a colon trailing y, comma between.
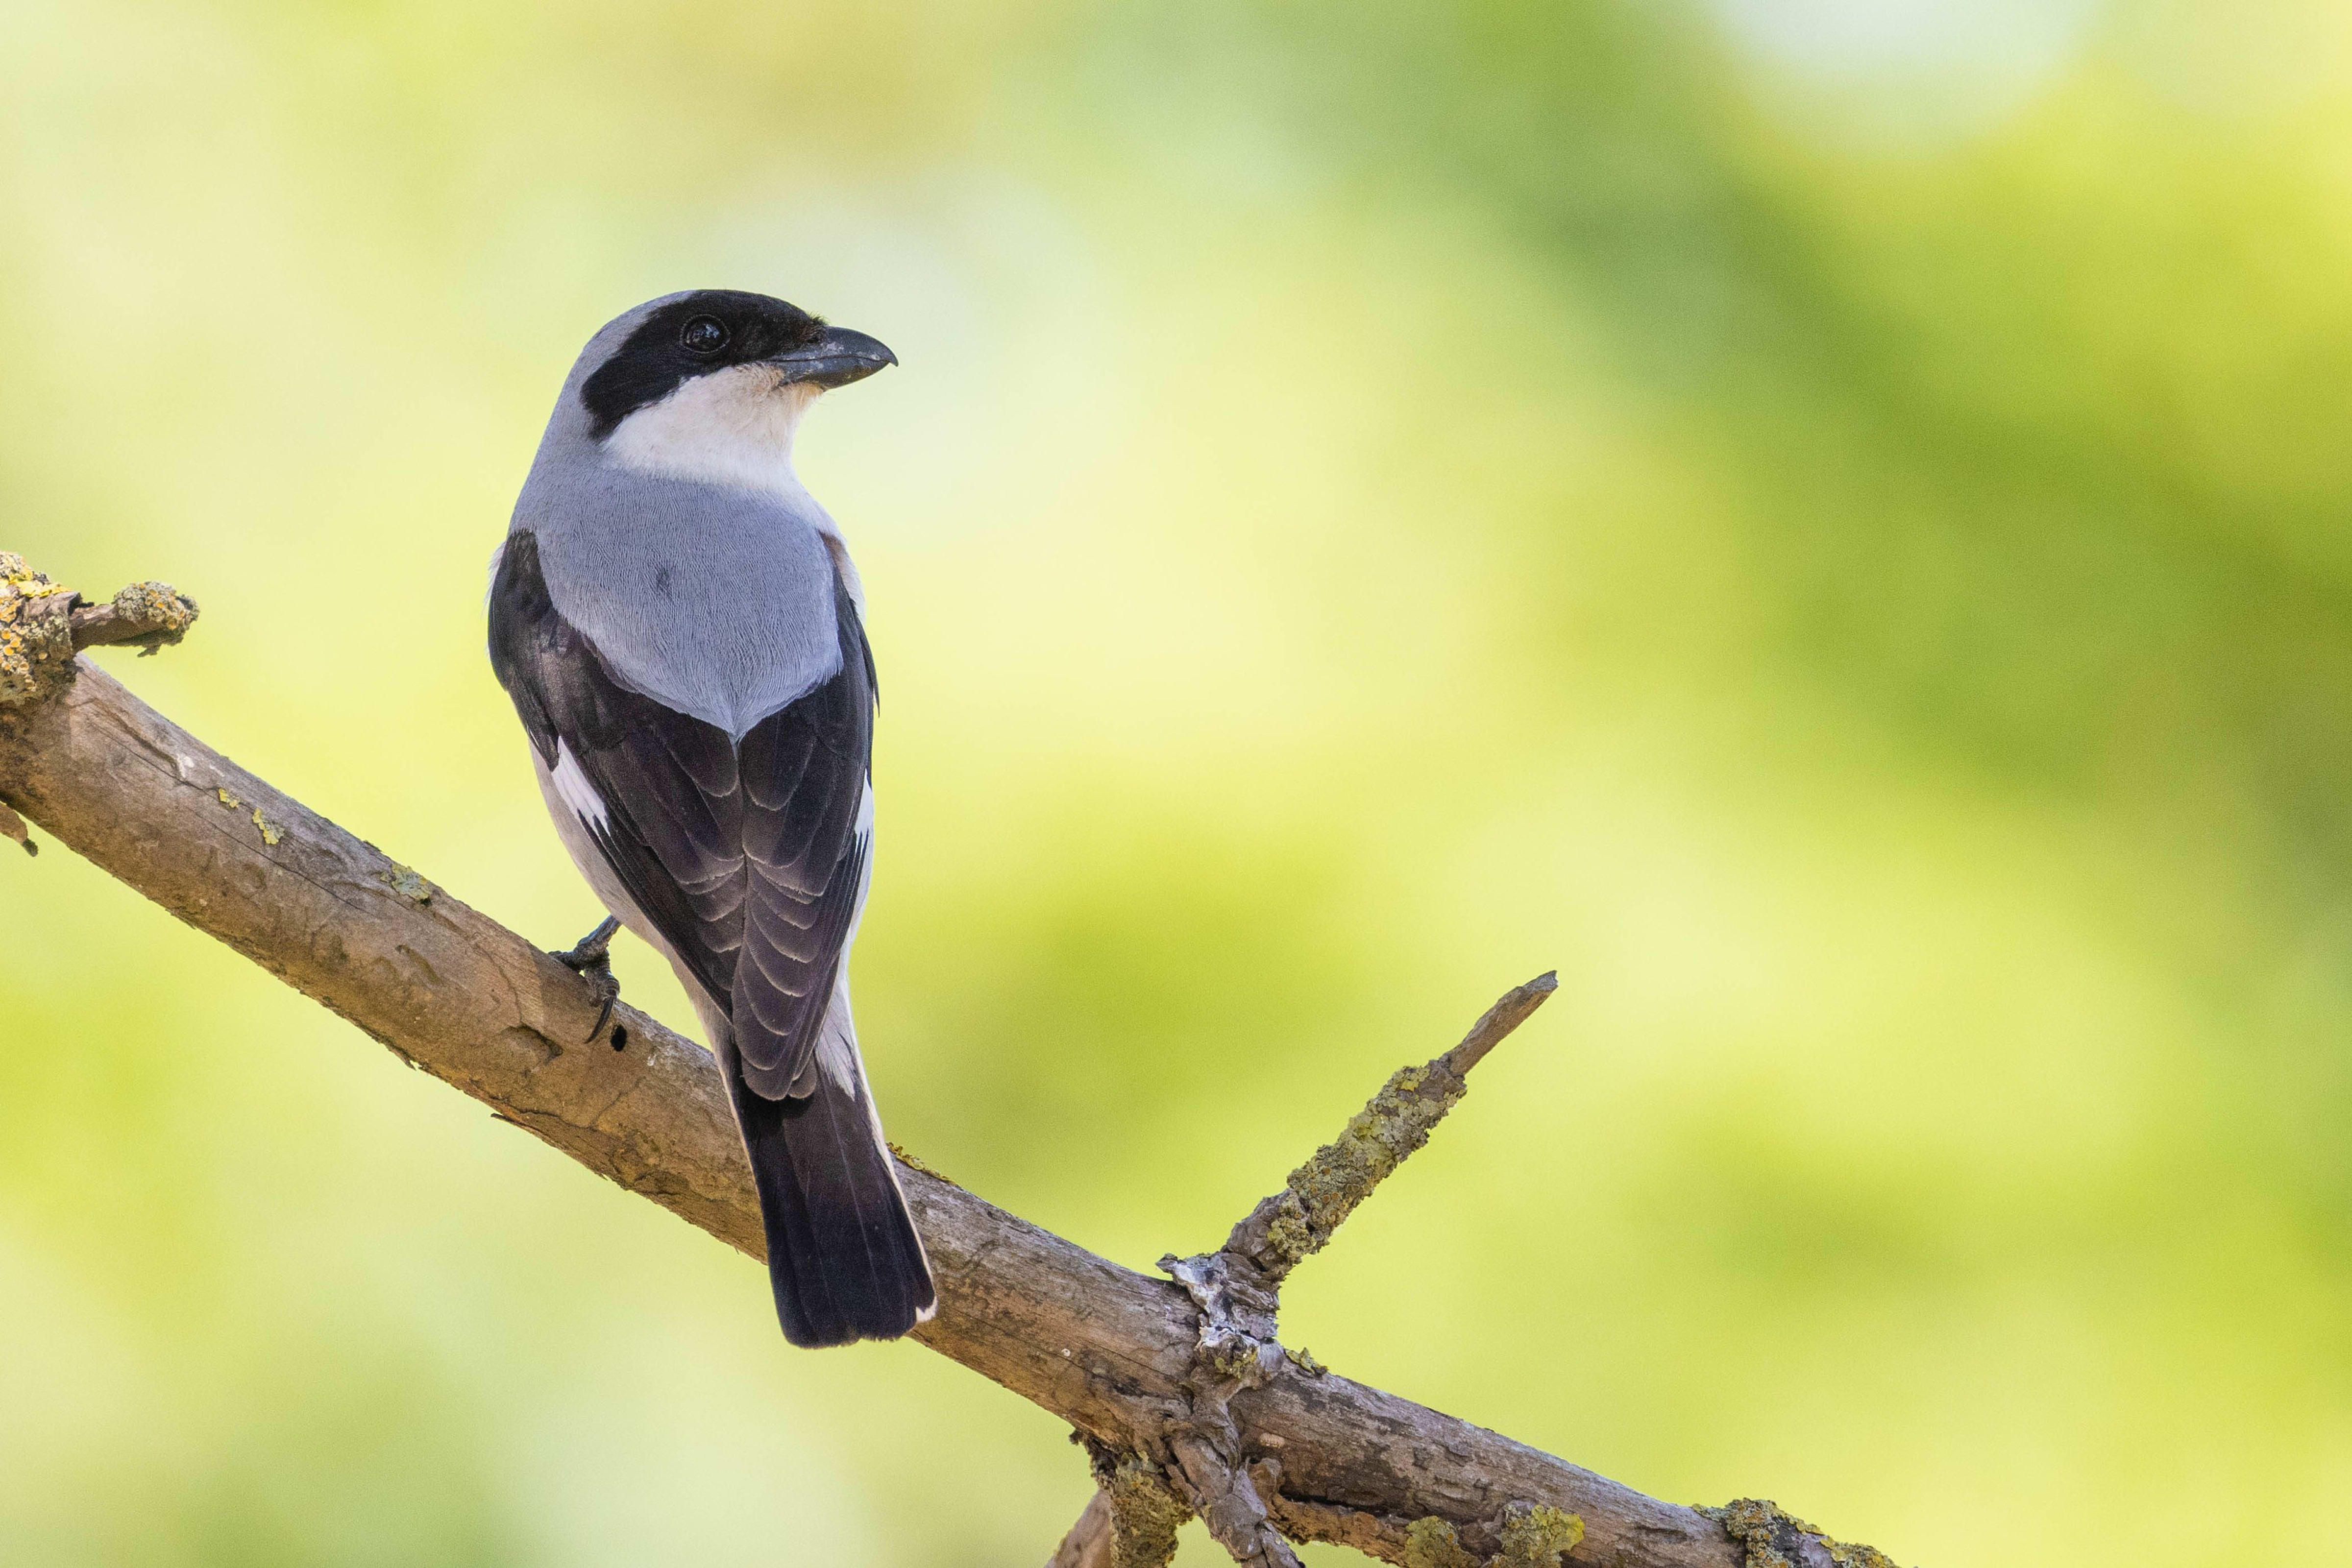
x: 681, y: 628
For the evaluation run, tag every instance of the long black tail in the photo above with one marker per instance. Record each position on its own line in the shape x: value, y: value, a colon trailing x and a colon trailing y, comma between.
x: 843, y: 1254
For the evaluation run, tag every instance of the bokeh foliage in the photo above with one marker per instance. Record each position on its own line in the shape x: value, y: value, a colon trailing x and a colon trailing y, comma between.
x: 1825, y: 521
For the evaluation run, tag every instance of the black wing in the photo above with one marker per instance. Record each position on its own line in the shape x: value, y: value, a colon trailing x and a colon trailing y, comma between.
x: 746, y: 858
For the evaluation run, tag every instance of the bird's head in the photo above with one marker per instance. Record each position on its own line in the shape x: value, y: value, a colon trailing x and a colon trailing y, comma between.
x: 713, y: 382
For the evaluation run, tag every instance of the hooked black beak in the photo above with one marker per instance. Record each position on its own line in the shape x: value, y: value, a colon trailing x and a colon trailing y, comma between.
x: 837, y: 358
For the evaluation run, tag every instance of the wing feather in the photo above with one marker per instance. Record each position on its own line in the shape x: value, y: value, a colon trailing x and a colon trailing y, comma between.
x: 746, y: 858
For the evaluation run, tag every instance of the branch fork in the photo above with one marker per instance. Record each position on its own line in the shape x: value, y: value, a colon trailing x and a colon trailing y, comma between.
x: 1237, y: 1291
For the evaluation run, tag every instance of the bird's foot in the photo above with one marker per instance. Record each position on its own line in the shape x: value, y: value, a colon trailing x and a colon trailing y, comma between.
x: 590, y: 958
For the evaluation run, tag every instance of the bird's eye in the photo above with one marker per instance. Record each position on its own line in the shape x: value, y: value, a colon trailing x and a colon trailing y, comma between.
x: 704, y: 335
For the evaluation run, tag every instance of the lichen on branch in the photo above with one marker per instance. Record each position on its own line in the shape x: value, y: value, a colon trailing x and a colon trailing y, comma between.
x: 1770, y: 1537
x: 44, y: 624
x: 36, y: 647
x: 1341, y: 1174
x: 1145, y: 1515
x: 1294, y: 1224
x: 1535, y: 1535
x: 145, y: 615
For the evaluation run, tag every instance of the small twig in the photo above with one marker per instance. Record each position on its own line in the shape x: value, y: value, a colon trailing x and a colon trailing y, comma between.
x: 1238, y: 1287
x: 1145, y: 1514
x: 1495, y: 1025
x: 1087, y: 1545
x: 1295, y: 1223
x: 12, y: 826
x: 1228, y: 1500
x: 43, y: 624
x: 145, y: 615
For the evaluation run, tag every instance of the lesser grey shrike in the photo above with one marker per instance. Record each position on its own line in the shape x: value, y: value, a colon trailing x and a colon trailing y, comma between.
x: 682, y: 630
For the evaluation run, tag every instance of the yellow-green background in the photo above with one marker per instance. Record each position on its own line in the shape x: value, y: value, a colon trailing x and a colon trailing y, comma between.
x: 1828, y: 520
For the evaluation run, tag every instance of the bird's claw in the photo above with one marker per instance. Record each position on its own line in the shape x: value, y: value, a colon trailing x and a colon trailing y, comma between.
x: 592, y: 959
x: 606, y: 990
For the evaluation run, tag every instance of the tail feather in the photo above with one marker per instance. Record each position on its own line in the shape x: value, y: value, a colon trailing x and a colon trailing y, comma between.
x: 843, y: 1255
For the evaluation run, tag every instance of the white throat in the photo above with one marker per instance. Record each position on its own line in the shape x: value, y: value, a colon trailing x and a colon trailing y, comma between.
x: 732, y: 427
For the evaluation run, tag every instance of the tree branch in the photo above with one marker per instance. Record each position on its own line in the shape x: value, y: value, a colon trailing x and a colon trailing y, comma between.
x: 1295, y: 1223
x: 1131, y: 1521
x: 1280, y: 1449
x: 1238, y: 1289
x: 1087, y: 1545
x: 43, y: 625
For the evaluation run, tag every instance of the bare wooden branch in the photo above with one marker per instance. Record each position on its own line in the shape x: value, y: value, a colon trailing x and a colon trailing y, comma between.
x: 1222, y: 1491
x: 1116, y: 1354
x: 12, y: 826
x: 1087, y: 1545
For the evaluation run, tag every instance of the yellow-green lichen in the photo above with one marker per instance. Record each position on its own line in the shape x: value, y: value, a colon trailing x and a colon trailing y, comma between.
x: 158, y: 606
x: 1766, y: 1534
x: 1303, y: 1359
x: 16, y: 574
x: 273, y: 831
x: 1234, y: 1355
x: 37, y: 652
x: 226, y: 799
x: 1145, y: 1515
x: 914, y: 1164
x: 1342, y: 1173
x: 1536, y: 1535
x: 1430, y: 1543
x: 407, y: 883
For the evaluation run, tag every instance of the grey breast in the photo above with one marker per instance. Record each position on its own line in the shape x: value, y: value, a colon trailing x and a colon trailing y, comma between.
x: 716, y: 602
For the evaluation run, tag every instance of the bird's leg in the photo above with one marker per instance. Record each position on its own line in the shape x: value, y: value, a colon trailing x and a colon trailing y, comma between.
x: 590, y: 958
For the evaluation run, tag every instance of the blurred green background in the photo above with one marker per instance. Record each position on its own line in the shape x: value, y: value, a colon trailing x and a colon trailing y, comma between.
x: 1825, y: 520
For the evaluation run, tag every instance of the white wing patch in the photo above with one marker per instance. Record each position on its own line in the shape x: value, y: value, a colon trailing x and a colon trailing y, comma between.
x: 572, y: 787
x: 836, y: 1042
